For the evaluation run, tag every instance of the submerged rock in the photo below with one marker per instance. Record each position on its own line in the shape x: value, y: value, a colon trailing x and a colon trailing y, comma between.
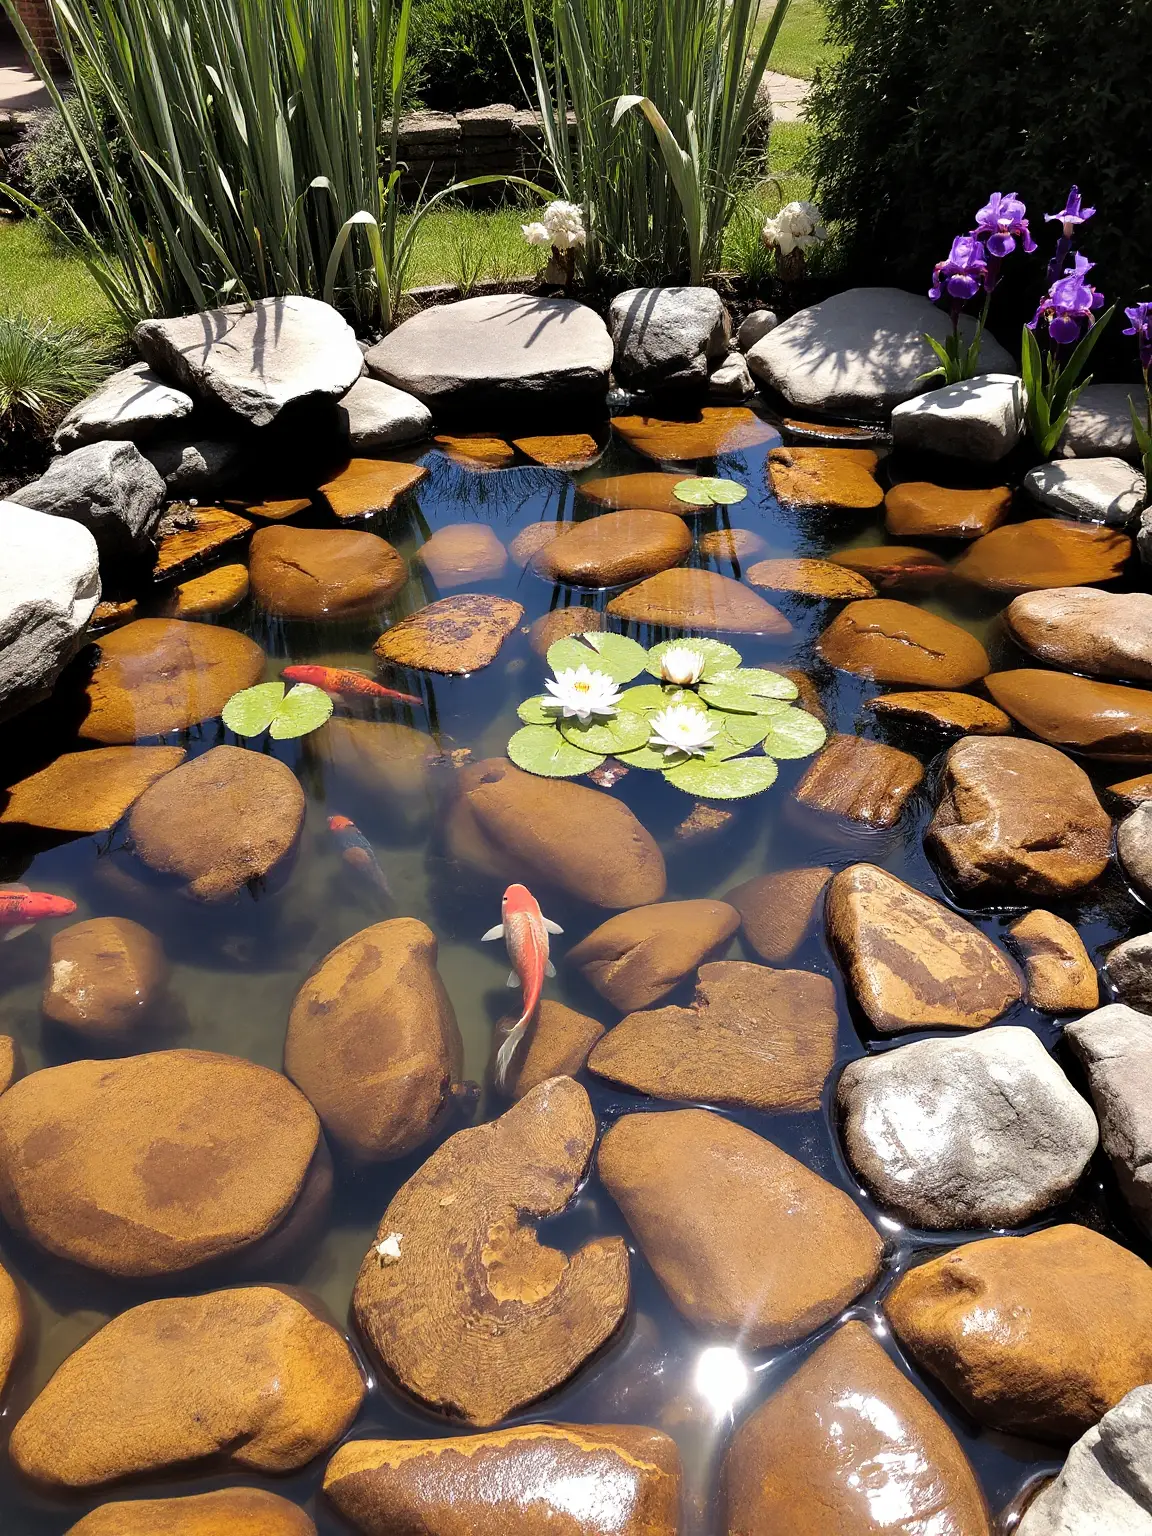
x: 942, y: 710
x: 248, y: 1380
x: 1060, y: 976
x: 553, y: 626
x: 557, y: 1045
x: 227, y: 1512
x: 11, y: 1062
x: 698, y: 600
x: 365, y: 487
x: 1103, y: 1486
x: 479, y: 451
x: 917, y: 510
x: 891, y: 567
x: 106, y: 979
x: 777, y: 911
x: 651, y: 489
x: 839, y: 478
x: 1046, y: 552
x: 132, y: 404
x: 1101, y: 490
x: 638, y: 957
x: 109, y: 488
x: 614, y: 548
x: 374, y: 415
x: 87, y: 791
x: 565, y: 450
x: 714, y: 430
x: 460, y: 553
x: 1108, y: 634
x: 979, y: 418
x: 742, y: 1237
x: 530, y: 541
x: 455, y: 635
x: 383, y: 760
x: 731, y: 544
x: 1114, y: 1045
x: 207, y: 596
x: 1099, y: 720
x: 11, y: 1326
x: 861, y: 780
x: 667, y: 338
x: 896, y: 642
x: 809, y: 578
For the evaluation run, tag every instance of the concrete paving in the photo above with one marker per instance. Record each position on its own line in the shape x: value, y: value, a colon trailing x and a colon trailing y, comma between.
x: 788, y: 95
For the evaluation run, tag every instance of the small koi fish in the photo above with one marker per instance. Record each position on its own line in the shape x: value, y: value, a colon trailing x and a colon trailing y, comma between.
x: 525, y: 931
x: 356, y: 852
x: 343, y: 682
x: 21, y: 909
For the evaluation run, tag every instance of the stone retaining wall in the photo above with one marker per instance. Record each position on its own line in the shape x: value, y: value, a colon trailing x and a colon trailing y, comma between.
x: 438, y: 148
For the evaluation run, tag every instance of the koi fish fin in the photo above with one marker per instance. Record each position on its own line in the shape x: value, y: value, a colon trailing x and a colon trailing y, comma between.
x: 513, y: 980
x: 507, y: 1051
x: 551, y: 927
x: 14, y: 933
x: 549, y: 968
x: 493, y: 933
x: 17, y: 888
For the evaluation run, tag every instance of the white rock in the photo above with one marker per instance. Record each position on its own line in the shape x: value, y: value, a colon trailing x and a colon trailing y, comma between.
x: 110, y: 487
x: 1101, y: 423
x: 49, y: 585
x: 667, y: 338
x: 861, y: 352
x: 1115, y: 1046
x: 194, y: 467
x: 1105, y: 1486
x: 375, y: 415
x: 731, y: 381
x: 755, y: 326
x: 1100, y: 490
x: 134, y: 403
x: 256, y: 359
x: 981, y: 418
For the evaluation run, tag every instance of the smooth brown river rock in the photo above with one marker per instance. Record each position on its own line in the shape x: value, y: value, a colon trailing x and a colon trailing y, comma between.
x: 461, y: 553
x: 557, y: 1045
x: 476, y: 450
x: 892, y: 567
x: 219, y: 822
x: 896, y: 642
x: 753, y: 1037
x: 910, y: 962
x: 11, y: 1062
x: 455, y: 635
x: 508, y: 824
x: 106, y: 978
x: 536, y: 1480
x: 366, y: 486
x: 160, y: 675
x: 250, y: 1379
x: 1060, y: 976
x: 809, y: 578
x: 381, y: 759
x: 1108, y: 634
x: 1101, y: 720
x: 1037, y: 1335
x: 941, y: 710
x: 716, y: 429
x: 11, y: 1326
x: 862, y: 780
x: 731, y: 544
x: 699, y: 600
x: 1016, y: 815
x: 1129, y: 793
x: 778, y: 910
x: 373, y: 1041
x: 198, y: 533
x: 553, y: 626
x: 227, y: 1512
x: 566, y: 450
x: 207, y: 596
x: 614, y: 548
x: 742, y: 1237
x: 637, y: 957
x: 476, y: 1318
x: 916, y: 510
x: 849, y: 1447
x: 87, y: 791
x: 1045, y: 552
x: 653, y: 489
x: 840, y: 478
x: 323, y: 573
x: 157, y: 1164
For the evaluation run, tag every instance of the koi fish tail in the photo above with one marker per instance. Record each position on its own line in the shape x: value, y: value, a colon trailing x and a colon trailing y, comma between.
x: 506, y: 1052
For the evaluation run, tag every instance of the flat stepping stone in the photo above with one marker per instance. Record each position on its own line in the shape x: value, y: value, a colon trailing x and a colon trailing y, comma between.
x: 1102, y: 490
x: 476, y: 450
x: 915, y: 509
x: 1099, y: 720
x: 715, y: 430
x: 323, y: 573
x: 1108, y: 634
x: 277, y: 511
x: 566, y: 450
x: 809, y: 578
x: 110, y: 615
x: 203, y: 531
x: 455, y: 635
x: 1026, y: 557
x: 734, y: 545
x: 461, y: 553
x: 942, y: 710
x: 134, y: 403
x: 613, y: 549
x: 557, y: 1045
x: 860, y: 780
x: 365, y: 487
x: 698, y: 600
x: 896, y: 642
x: 208, y: 596
x: 245, y: 1511
x: 1060, y: 976
x: 828, y: 434
x: 891, y: 567
x: 87, y: 792
x: 1100, y: 425
x: 838, y: 478
x: 980, y: 419
x: 778, y: 911
x: 654, y: 490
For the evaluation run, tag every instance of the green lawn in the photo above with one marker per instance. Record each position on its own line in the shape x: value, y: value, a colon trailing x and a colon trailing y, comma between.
x: 40, y: 279
x: 800, y: 46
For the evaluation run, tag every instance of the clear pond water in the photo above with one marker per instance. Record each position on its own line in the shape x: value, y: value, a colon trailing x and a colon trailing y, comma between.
x: 237, y: 967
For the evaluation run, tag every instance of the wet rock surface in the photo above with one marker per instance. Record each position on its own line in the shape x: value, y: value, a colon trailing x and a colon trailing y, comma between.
x: 455, y: 635
x: 557, y: 1046
x: 744, y: 1239
x: 895, y: 642
x: 563, y: 450
x: 984, y: 1131
x: 942, y: 710
x: 11, y: 1326
x: 11, y: 1062
x: 1108, y: 634
x: 650, y: 489
x: 638, y: 957
x: 188, y: 537
x: 461, y: 553
x: 208, y: 596
x: 476, y: 450
x: 731, y: 545
x: 227, y: 1512
x: 87, y: 791
x: 778, y: 910
x: 698, y: 600
x: 894, y: 567
x: 365, y: 487
x: 106, y: 980
x: 615, y: 548
x: 1046, y: 552
x: 323, y: 573
x: 375, y: 756
x: 1114, y: 1045
x: 1104, y: 1485
x: 560, y: 622
x: 1098, y: 720
x: 755, y: 1037
x: 861, y: 780
x: 1060, y: 977
x: 916, y: 509
x: 809, y: 578
x: 715, y: 429
x: 837, y: 478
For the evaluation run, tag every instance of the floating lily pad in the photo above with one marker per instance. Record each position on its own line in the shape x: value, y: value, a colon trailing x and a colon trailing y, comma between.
x: 748, y: 730
x: 735, y: 779
x: 650, y: 697
x: 536, y: 711
x: 718, y: 656
x: 541, y: 749
x: 267, y: 707
x: 623, y: 733
x: 793, y: 733
x: 768, y: 685
x: 709, y: 491
x: 725, y: 745
x: 617, y: 656
x: 651, y: 757
x: 741, y: 702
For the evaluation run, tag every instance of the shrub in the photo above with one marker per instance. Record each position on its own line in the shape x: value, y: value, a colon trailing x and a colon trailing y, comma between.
x: 44, y: 369
x: 48, y: 167
x: 470, y: 53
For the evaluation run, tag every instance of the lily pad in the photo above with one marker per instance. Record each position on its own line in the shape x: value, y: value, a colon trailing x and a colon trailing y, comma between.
x: 535, y: 711
x: 622, y: 659
x: 740, y: 702
x: 734, y: 779
x: 793, y: 733
x: 718, y: 656
x: 623, y: 733
x: 541, y: 749
x: 748, y: 730
x: 768, y: 685
x: 709, y: 491
x: 650, y: 697
x: 267, y: 707
x: 651, y: 757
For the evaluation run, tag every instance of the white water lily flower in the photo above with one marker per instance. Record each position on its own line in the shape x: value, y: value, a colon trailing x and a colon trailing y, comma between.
x: 682, y: 728
x: 683, y: 666
x: 796, y: 227
x: 536, y: 234
x: 581, y: 692
x: 561, y: 225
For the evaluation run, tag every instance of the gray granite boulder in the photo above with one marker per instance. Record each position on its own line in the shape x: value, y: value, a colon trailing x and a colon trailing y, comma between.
x: 1134, y: 848
x: 375, y: 415
x: 979, y: 419
x: 49, y: 586
x: 110, y: 487
x: 497, y: 348
x: 1100, y: 424
x: 1128, y: 970
x: 134, y: 403
x: 1105, y: 1486
x: 754, y: 327
x: 860, y: 353
x: 194, y: 467
x: 981, y: 1131
x: 1103, y: 490
x: 732, y: 380
x: 255, y: 359
x: 667, y: 338
x: 1115, y: 1045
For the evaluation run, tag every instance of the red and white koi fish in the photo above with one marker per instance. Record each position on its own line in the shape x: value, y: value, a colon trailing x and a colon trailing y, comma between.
x: 356, y: 852
x: 525, y: 931
x: 21, y: 909
x: 343, y: 682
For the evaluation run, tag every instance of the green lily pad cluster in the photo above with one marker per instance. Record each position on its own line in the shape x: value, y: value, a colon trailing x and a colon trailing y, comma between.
x: 753, y: 708
x: 267, y: 707
x: 709, y: 491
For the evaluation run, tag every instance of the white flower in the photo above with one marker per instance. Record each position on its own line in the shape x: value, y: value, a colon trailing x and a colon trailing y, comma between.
x: 795, y: 228
x: 536, y: 234
x: 682, y: 665
x: 581, y: 692
x: 560, y: 225
x: 682, y: 728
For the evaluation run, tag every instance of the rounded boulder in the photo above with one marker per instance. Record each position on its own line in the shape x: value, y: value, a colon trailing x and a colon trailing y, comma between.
x: 323, y: 573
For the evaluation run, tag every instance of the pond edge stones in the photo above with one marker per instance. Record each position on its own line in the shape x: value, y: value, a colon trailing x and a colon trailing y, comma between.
x: 979, y: 418
x: 1103, y: 1488
x: 1114, y: 1045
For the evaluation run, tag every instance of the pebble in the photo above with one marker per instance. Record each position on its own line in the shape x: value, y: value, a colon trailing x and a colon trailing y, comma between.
x: 861, y: 780
x: 87, y: 791
x: 942, y: 710
x: 638, y: 957
x: 1046, y: 552
x: 323, y: 573
x: 556, y: 1045
x: 699, y: 600
x: 1107, y: 634
x: 895, y: 642
x: 1114, y: 1046
x: 778, y: 911
x: 917, y: 510
x: 455, y: 635
x: 106, y: 979
x: 613, y: 549
x: 1099, y: 720
x: 809, y: 578
x: 460, y: 553
x: 1060, y: 976
x: 837, y: 478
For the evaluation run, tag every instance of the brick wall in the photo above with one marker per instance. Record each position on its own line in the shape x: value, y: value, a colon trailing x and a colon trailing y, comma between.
x: 439, y: 148
x: 38, y: 19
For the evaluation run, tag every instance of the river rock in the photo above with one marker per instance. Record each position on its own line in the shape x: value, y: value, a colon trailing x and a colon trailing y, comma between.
x: 159, y: 675
x: 849, y: 1447
x: 1134, y: 847
x: 110, y: 488
x: 1114, y: 1045
x: 479, y: 451
x: 753, y: 1037
x: 106, y: 978
x: 1129, y: 793
x: 1060, y: 976
x: 839, y: 478
x: 742, y: 1237
x: 568, y: 451
x: 508, y: 824
x: 654, y: 490
x: 614, y: 1478
x: 460, y: 553
x: 891, y: 567
x: 734, y: 545
x: 731, y: 379
x: 861, y: 780
x: 383, y: 760
x: 133, y: 404
x: 910, y: 962
x: 667, y: 338
x: 249, y: 1380
x: 531, y: 540
x: 365, y: 487
x: 87, y: 791
x: 1103, y: 1489
x: 778, y: 911
x: 497, y: 348
x: 979, y: 418
x: 11, y: 1326
x: 1038, y: 1335
x: 188, y: 537
x: 227, y: 1512
x: 208, y: 596
x: 11, y: 1062
x: 257, y: 357
x: 1101, y: 490
x: 754, y: 327
x: 558, y: 1042
x: 861, y: 352
x: 550, y: 627
x: 373, y: 1041
x: 614, y: 548
x: 220, y: 822
x: 1128, y: 970
x: 699, y: 600
x: 983, y: 1131
x: 200, y: 466
x: 1016, y: 815
x: 895, y: 642
x: 1045, y: 552
x: 1100, y: 424
x: 942, y: 710
x: 712, y: 431
x: 1099, y: 720
x: 638, y: 957
x: 917, y: 510
x: 374, y: 415
x: 1108, y: 634
x: 455, y: 635
x: 475, y: 1317
x: 809, y: 578
x: 323, y: 573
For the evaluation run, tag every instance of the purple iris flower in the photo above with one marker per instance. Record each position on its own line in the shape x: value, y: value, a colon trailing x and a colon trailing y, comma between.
x: 1140, y: 326
x: 963, y: 274
x: 1071, y: 215
x: 1069, y: 304
x: 1002, y: 220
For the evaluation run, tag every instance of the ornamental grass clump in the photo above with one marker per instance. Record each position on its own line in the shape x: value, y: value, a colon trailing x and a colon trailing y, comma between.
x: 44, y: 369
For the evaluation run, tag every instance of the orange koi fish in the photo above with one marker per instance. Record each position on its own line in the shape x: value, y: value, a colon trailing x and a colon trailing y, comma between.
x: 344, y: 682
x: 21, y: 909
x: 525, y: 930
x: 356, y: 852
